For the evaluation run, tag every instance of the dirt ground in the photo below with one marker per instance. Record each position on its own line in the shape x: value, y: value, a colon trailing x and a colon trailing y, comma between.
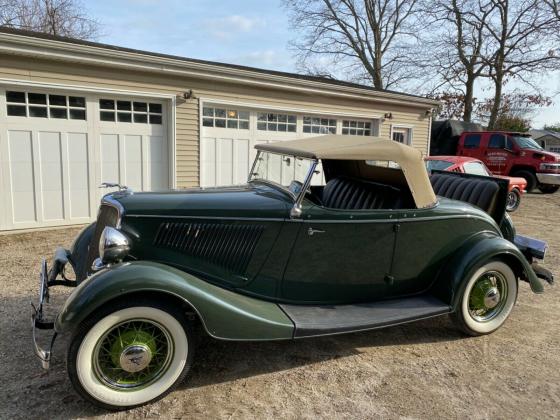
x: 421, y: 370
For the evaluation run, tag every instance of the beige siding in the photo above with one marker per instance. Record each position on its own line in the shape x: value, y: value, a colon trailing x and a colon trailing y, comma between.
x: 187, y: 112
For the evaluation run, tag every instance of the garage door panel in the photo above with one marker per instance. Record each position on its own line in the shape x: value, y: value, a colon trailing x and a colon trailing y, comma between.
x: 110, y: 156
x: 22, y: 181
x: 208, y: 177
x: 52, y: 192
x: 241, y: 157
x: 224, y: 160
x: 157, y: 152
x: 79, y: 175
x: 132, y: 162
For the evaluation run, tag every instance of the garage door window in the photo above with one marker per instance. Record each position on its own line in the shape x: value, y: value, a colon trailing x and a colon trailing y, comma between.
x: 130, y: 111
x: 225, y: 118
x: 356, y: 128
x: 276, y: 122
x: 319, y: 125
x: 41, y: 105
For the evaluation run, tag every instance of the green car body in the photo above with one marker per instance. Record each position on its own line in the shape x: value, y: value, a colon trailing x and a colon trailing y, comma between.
x: 287, y: 265
x: 370, y: 247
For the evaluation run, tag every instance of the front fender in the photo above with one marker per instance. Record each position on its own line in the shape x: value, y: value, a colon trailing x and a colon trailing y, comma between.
x: 474, y: 252
x: 224, y: 314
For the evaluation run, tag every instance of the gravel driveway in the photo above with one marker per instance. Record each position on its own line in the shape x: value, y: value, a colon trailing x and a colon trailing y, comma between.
x: 421, y: 370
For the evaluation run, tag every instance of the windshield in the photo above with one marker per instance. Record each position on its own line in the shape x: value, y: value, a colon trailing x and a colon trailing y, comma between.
x: 437, y: 165
x: 281, y: 170
x: 527, y: 143
x: 476, y: 168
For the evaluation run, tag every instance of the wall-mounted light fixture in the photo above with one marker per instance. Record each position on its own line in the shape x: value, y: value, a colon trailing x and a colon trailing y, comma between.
x: 188, y: 94
x: 388, y: 116
x: 428, y: 112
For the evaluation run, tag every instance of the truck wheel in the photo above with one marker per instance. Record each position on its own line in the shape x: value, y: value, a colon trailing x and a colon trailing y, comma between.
x: 529, y: 177
x: 513, y: 200
x: 130, y: 354
x: 548, y: 189
x: 487, y: 299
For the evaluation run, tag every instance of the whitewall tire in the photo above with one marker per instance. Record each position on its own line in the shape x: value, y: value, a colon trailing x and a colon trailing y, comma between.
x: 131, y: 354
x: 487, y: 299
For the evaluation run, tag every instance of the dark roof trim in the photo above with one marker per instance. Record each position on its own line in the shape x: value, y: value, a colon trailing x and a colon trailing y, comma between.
x: 325, y: 80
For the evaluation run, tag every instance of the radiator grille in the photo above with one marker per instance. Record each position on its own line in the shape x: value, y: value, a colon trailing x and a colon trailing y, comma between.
x: 228, y: 246
x: 107, y: 216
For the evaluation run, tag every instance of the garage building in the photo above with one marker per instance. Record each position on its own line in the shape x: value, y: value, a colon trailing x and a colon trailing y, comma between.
x: 74, y: 114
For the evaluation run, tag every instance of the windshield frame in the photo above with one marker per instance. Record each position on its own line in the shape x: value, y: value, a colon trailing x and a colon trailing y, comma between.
x: 305, y: 184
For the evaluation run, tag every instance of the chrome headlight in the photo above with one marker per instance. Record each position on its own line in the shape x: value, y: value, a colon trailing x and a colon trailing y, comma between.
x: 113, y: 246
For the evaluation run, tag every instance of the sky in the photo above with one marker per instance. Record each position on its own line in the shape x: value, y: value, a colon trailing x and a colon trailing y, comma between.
x: 248, y: 32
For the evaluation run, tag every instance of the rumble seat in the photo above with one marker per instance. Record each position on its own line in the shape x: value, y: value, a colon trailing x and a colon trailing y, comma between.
x: 355, y: 194
x: 480, y: 192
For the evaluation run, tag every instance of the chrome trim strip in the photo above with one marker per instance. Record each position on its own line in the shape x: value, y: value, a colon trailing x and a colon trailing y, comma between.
x: 110, y: 201
x: 161, y: 216
x: 395, y: 220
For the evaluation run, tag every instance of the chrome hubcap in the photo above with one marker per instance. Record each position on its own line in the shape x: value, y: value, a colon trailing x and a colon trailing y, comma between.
x: 492, y: 298
x: 135, y: 358
x: 488, y: 296
x: 133, y: 354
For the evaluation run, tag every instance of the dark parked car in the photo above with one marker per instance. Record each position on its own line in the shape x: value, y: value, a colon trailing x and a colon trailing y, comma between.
x: 282, y: 257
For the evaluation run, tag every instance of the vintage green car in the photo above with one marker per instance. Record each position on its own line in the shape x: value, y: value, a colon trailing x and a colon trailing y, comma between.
x: 331, y: 234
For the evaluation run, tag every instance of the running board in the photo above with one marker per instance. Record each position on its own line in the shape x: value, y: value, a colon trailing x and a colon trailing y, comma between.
x: 314, y: 320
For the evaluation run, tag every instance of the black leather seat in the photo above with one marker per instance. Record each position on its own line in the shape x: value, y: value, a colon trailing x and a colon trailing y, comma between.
x: 480, y: 192
x: 355, y: 194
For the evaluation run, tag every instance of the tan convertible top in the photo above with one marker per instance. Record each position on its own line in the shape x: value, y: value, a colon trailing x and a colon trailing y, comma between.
x: 338, y: 147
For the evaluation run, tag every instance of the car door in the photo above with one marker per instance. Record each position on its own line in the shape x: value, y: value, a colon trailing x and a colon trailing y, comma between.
x: 340, y: 256
x: 471, y: 145
x: 496, y: 154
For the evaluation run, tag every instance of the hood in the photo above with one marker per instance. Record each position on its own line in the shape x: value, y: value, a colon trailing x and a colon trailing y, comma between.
x: 543, y: 155
x: 251, y: 200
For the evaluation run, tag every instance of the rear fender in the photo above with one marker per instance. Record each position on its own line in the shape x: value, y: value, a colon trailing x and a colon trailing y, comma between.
x: 475, y: 251
x: 224, y: 314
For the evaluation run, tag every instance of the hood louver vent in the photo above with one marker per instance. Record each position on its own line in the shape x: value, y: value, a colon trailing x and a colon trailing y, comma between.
x: 228, y: 246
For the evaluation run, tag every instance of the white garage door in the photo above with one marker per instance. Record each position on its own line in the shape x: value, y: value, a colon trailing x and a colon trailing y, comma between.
x: 229, y: 134
x: 57, y: 147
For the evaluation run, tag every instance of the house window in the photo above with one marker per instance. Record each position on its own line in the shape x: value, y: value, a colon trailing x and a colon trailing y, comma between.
x: 402, y: 135
x: 42, y: 105
x: 356, y: 128
x: 225, y: 118
x: 130, y: 111
x: 276, y: 122
x: 319, y: 125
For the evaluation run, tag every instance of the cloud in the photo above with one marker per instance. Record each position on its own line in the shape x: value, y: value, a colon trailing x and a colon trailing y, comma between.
x: 268, y: 59
x: 227, y: 26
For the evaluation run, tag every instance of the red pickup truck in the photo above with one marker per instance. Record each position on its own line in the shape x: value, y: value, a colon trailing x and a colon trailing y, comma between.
x: 513, y: 154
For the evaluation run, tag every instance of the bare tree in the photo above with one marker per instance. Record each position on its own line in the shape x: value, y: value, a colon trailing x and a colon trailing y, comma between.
x: 368, y: 39
x: 55, y: 17
x: 523, y: 44
x: 456, y: 46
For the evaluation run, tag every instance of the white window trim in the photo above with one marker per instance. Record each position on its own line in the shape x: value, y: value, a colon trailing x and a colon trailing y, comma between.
x: 171, y: 106
x: 410, y: 129
x: 289, y: 110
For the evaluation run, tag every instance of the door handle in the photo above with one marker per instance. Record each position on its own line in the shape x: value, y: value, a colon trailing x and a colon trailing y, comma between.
x: 312, y: 231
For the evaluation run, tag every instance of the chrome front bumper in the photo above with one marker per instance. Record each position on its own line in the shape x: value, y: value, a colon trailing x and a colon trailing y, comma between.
x: 37, y: 318
x: 550, y: 179
x: 48, y: 278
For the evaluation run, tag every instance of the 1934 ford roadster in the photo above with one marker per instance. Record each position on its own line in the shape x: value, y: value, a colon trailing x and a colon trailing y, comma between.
x: 330, y: 234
